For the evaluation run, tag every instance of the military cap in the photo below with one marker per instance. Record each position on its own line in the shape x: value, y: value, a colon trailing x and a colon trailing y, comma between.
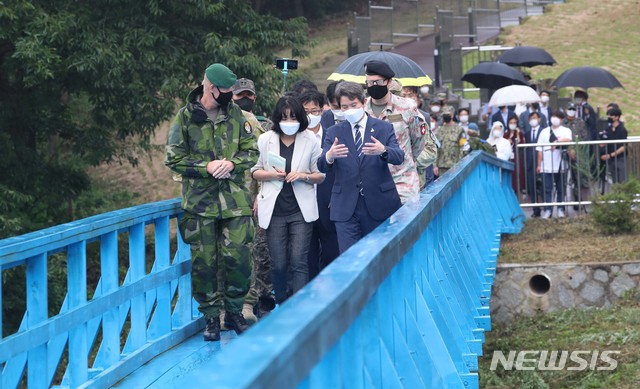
x: 571, y: 106
x: 220, y: 75
x: 447, y: 109
x: 378, y: 68
x: 441, y: 96
x: 244, y: 84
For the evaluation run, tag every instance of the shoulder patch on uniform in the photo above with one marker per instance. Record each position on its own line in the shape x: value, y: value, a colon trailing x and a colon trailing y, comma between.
x: 423, y: 128
x: 247, y: 127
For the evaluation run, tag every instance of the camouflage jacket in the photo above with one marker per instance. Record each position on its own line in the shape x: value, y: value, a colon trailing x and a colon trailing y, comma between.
x: 449, y: 152
x: 194, y: 141
x: 410, y: 128
x: 578, y: 128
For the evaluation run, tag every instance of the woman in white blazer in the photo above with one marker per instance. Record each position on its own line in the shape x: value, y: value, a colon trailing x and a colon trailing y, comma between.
x: 287, y: 207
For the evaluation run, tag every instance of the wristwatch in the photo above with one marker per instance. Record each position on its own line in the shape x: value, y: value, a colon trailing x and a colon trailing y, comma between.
x: 385, y: 154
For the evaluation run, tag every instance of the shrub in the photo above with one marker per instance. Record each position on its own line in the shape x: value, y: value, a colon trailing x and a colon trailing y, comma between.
x: 613, y: 213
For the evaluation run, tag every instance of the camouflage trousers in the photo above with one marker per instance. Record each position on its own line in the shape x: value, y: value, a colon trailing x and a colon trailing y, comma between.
x: 221, y: 261
x: 261, y: 284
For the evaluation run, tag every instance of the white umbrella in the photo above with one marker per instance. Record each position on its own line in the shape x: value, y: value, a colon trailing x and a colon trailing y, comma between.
x: 514, y: 94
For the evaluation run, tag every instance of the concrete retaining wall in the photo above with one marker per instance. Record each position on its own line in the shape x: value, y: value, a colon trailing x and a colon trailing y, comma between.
x: 532, y: 289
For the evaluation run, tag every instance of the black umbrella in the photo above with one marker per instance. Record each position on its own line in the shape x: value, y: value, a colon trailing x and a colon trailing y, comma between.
x: 407, y: 71
x: 587, y: 77
x: 493, y: 75
x: 526, y: 56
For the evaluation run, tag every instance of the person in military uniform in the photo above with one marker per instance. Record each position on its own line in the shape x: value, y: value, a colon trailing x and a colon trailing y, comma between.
x: 211, y: 145
x: 244, y: 94
x: 452, y: 139
x: 408, y: 124
x: 579, y: 155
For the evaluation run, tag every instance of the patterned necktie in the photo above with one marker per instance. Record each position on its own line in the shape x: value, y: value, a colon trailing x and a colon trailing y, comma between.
x: 358, y: 140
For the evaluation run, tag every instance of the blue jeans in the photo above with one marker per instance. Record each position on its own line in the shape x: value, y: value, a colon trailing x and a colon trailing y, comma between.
x: 548, y: 179
x: 288, y: 238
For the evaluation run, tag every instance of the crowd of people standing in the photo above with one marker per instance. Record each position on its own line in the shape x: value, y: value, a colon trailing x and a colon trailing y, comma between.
x: 269, y: 202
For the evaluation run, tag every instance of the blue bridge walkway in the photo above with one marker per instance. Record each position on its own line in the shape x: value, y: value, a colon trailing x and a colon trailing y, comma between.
x: 406, y: 307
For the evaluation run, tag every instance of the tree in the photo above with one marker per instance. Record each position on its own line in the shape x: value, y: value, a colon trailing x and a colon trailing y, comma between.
x: 84, y: 82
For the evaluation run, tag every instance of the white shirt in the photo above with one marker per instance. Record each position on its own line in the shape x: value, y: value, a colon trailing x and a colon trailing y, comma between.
x: 552, y: 161
x: 319, y: 134
x: 363, y: 124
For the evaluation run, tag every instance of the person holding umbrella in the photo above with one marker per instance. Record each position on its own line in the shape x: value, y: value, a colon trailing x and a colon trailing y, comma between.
x: 615, y: 157
x: 408, y: 124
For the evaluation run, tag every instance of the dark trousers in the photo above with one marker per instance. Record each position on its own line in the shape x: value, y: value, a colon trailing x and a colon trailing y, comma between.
x: 323, y: 248
x: 288, y: 238
x: 359, y: 225
x: 548, y: 179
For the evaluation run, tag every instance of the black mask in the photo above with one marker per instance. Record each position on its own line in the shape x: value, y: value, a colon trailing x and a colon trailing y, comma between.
x: 446, y: 117
x: 245, y: 103
x: 610, y: 120
x: 223, y: 98
x: 377, y: 91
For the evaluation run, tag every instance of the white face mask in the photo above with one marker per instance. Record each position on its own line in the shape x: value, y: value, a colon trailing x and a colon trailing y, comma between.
x: 497, y: 133
x: 290, y: 128
x: 555, y: 121
x: 354, y: 114
x: 464, y: 118
x: 571, y: 112
x: 337, y: 114
x: 533, y: 122
x: 513, y: 126
x: 424, y: 90
x: 544, y: 99
x: 435, y: 108
x: 314, y: 120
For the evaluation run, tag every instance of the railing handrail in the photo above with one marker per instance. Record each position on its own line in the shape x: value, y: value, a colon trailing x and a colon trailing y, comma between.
x: 14, y: 250
x: 339, y: 291
x: 582, y: 142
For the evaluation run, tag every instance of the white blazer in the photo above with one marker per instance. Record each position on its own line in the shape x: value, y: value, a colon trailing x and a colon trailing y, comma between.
x: 305, y: 159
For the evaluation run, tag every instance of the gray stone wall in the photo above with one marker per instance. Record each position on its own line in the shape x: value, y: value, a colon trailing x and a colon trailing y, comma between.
x: 533, y: 289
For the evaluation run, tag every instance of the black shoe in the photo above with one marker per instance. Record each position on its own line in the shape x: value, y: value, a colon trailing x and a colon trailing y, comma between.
x: 212, y: 330
x: 536, y: 214
x: 236, y: 322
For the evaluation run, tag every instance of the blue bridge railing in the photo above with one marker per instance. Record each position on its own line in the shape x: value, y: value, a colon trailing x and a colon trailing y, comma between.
x: 407, y: 306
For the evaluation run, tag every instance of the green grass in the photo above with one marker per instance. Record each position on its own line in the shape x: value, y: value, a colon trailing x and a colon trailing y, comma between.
x: 614, y: 328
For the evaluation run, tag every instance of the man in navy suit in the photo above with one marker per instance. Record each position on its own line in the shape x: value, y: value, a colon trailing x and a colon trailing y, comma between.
x: 358, y: 150
x: 503, y: 116
x: 534, y: 187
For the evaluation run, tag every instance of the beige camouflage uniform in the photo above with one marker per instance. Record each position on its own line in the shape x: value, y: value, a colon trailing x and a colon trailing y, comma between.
x: 410, y: 128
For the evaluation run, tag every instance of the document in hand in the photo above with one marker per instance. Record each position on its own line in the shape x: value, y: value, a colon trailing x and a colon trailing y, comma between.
x: 278, y: 163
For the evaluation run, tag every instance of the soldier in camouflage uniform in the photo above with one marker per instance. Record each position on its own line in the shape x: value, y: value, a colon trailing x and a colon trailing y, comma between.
x: 450, y: 135
x: 211, y: 145
x: 244, y: 94
x: 579, y: 155
x: 408, y: 124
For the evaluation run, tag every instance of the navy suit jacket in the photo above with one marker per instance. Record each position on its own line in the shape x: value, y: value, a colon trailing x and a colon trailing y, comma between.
x: 497, y: 117
x: 327, y: 119
x: 369, y: 172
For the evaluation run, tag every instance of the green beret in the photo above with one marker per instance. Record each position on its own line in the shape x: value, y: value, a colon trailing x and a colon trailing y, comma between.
x: 220, y: 75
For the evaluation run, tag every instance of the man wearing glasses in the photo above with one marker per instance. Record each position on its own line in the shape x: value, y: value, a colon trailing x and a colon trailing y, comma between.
x: 408, y: 124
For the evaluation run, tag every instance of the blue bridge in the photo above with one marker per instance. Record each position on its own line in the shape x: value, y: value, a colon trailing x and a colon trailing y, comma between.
x: 406, y: 307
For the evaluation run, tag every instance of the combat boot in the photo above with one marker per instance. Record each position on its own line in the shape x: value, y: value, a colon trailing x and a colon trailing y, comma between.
x: 236, y: 322
x: 212, y: 330
x: 249, y: 316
